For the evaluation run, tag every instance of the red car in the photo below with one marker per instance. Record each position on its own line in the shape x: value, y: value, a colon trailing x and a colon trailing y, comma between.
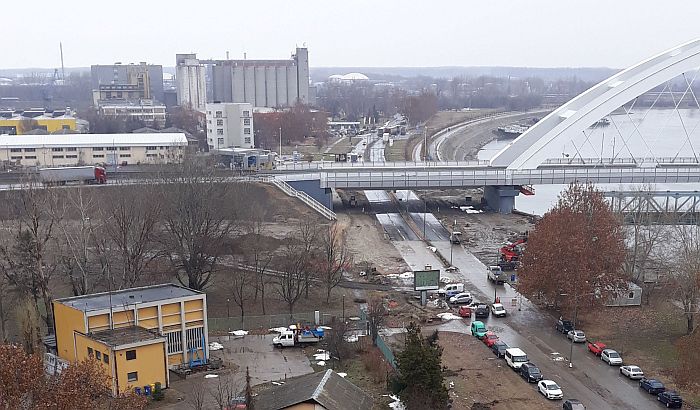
x: 465, y: 311
x: 596, y: 348
x: 490, y: 338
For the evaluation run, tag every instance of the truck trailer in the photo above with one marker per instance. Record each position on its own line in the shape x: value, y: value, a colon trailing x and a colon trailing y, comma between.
x: 61, y: 175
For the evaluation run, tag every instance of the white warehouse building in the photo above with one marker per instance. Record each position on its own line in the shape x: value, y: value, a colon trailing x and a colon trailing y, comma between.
x: 58, y: 150
x: 191, y: 82
x: 230, y: 125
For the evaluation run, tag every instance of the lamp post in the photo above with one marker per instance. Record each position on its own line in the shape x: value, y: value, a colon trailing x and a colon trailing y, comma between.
x: 280, y: 142
x: 425, y: 214
x: 228, y: 307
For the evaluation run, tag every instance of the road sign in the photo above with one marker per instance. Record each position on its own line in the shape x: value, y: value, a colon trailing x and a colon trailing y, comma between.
x: 426, y: 279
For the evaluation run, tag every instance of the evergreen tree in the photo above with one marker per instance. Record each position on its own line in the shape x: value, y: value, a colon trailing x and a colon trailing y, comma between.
x: 420, y: 380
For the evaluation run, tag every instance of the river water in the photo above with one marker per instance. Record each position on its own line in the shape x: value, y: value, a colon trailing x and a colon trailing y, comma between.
x: 643, y: 133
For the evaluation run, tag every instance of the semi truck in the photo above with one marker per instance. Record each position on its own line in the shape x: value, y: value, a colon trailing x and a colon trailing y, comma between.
x: 295, y: 336
x: 62, y: 175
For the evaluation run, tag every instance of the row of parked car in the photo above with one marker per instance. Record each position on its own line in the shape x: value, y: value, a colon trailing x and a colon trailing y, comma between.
x: 517, y: 360
x: 669, y: 398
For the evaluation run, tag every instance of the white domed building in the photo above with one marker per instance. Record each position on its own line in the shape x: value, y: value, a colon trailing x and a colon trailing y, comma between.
x: 349, y: 78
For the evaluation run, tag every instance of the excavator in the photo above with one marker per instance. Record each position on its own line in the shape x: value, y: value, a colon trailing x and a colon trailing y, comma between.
x: 509, y: 254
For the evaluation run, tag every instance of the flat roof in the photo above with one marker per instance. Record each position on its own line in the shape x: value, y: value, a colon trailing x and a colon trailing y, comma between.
x: 124, y: 297
x: 93, y: 140
x: 124, y: 336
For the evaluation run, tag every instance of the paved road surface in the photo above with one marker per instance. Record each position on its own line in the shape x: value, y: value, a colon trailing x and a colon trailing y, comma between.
x: 396, y: 228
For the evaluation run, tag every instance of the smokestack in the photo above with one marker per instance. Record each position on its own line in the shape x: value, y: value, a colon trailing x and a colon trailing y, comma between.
x: 63, y: 69
x: 227, y: 55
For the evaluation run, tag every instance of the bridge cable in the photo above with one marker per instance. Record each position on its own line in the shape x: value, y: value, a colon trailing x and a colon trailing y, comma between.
x: 697, y: 104
x: 687, y: 136
x: 636, y: 128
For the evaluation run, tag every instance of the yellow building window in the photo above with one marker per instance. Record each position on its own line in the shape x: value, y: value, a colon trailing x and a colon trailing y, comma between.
x: 132, y: 376
x: 130, y: 354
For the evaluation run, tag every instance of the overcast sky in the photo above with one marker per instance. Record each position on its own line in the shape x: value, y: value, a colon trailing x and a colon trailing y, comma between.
x: 534, y: 33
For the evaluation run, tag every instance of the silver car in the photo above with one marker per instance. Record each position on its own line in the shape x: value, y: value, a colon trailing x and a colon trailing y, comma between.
x: 611, y: 357
x: 577, y: 336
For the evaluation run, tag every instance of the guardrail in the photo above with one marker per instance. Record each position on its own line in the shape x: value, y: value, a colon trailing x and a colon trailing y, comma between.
x: 303, y: 196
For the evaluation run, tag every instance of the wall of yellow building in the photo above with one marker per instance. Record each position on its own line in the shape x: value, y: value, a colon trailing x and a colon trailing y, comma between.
x: 98, y: 322
x: 67, y: 320
x: 82, y: 343
x: 51, y: 124
x: 149, y: 363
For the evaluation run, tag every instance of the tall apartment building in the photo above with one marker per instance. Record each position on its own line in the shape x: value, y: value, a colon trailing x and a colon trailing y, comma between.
x: 230, y: 125
x: 127, y: 81
x: 191, y: 82
x: 263, y: 83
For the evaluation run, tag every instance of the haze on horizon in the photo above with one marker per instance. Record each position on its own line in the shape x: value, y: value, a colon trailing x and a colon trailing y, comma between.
x: 358, y: 33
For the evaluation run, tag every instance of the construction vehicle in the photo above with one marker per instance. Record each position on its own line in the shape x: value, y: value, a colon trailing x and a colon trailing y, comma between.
x: 510, y: 254
x: 61, y: 175
x: 297, y: 336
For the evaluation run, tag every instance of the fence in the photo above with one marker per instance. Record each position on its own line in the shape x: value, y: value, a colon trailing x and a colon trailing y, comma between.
x: 222, y: 325
x: 386, y: 351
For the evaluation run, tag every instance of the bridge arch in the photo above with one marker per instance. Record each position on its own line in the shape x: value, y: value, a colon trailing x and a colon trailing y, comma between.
x: 571, y: 119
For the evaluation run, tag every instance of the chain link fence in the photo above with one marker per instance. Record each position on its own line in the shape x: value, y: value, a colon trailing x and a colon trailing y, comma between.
x: 222, y: 325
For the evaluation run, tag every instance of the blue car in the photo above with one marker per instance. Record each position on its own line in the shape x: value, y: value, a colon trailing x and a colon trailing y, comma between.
x: 652, y: 386
x: 670, y: 399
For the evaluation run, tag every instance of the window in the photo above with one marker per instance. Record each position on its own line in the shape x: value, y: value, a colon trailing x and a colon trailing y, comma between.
x: 220, y: 141
x: 105, y: 358
x: 111, y: 148
x: 132, y: 376
x: 98, y: 149
x: 631, y: 295
x: 65, y: 127
x: 246, y: 113
x: 98, y: 355
x: 209, y: 130
x: 174, y: 341
x: 89, y: 351
x: 219, y: 114
x: 56, y: 157
x: 30, y: 150
x: 98, y: 156
x: 124, y: 148
x: 246, y: 121
x: 194, y: 337
x: 130, y: 354
x: 72, y: 149
x: 247, y: 140
x: 71, y: 156
x: 30, y: 157
x: 15, y: 149
x: 151, y: 148
x: 246, y: 131
x: 56, y: 149
x: 15, y: 158
x: 151, y: 155
x: 219, y: 131
x: 124, y: 155
x: 220, y: 123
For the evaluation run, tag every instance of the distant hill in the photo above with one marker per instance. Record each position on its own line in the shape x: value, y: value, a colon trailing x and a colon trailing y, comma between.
x: 589, y: 74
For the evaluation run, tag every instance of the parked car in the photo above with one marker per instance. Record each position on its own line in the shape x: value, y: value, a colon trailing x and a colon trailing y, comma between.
x: 550, y: 390
x: 489, y: 338
x: 498, y: 310
x: 465, y: 311
x: 478, y: 329
x: 564, y: 326
x: 633, y: 372
x: 652, y: 386
x: 464, y: 298
x: 611, y: 357
x: 573, y: 404
x: 596, y: 348
x: 670, y: 399
x: 577, y: 336
x: 499, y: 348
x: 530, y: 372
x: 482, y: 310
x: 451, y: 289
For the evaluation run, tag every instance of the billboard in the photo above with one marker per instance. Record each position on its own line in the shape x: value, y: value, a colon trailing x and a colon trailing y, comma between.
x: 426, y: 280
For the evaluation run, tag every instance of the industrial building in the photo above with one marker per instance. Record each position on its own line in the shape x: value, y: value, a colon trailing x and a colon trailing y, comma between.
x: 137, y: 81
x: 230, y: 125
x: 262, y: 83
x: 88, y: 149
x: 190, y: 77
x: 136, y: 334
x: 21, y: 122
x: 145, y: 111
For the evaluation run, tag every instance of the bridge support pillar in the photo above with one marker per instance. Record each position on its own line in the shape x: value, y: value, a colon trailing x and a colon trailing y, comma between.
x: 501, y: 198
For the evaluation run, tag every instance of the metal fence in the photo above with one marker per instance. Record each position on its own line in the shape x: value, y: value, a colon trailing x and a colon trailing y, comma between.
x: 222, y: 325
x: 386, y: 351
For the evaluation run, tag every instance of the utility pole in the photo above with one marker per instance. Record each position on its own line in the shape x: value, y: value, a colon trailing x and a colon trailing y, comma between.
x: 425, y: 143
x: 280, y: 142
x: 63, y: 69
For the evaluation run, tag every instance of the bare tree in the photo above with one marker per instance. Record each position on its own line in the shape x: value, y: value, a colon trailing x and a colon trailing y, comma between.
x: 684, y: 274
x: 258, y: 256
x: 336, y: 339
x: 196, y: 399
x: 334, y: 258
x: 238, y: 284
x: 198, y: 221
x: 308, y: 235
x: 5, y: 301
x: 224, y: 391
x: 376, y: 316
x: 293, y: 264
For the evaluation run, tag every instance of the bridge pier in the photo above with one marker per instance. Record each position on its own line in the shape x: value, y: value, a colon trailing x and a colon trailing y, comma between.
x: 501, y: 198
x: 313, y: 189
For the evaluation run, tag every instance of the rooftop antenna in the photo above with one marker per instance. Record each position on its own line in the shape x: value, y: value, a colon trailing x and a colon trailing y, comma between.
x: 227, y: 55
x: 63, y: 68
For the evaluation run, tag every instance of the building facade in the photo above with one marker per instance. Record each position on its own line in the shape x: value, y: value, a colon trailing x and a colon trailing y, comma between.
x: 190, y: 76
x: 263, y: 83
x: 89, y: 149
x: 143, y: 331
x: 20, y: 122
x: 230, y: 125
x: 147, y: 80
x: 146, y: 111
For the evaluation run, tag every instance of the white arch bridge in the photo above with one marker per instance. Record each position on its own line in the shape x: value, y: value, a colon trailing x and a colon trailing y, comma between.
x: 526, y: 161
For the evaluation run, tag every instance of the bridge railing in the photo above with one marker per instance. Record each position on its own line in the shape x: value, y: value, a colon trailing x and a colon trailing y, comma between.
x: 617, y: 161
x: 303, y: 196
x: 307, y: 166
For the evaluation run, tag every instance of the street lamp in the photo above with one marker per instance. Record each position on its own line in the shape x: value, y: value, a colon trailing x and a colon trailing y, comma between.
x: 228, y: 307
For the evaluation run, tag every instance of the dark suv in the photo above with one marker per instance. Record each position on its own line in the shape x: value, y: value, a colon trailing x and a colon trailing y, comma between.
x: 671, y: 399
x: 530, y: 372
x: 564, y: 326
x: 482, y: 310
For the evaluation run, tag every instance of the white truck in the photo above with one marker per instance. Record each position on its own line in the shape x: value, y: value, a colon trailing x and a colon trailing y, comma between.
x: 294, y: 336
x: 61, y: 175
x: 495, y: 274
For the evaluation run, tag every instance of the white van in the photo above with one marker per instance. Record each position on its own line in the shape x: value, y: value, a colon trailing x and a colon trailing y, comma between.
x: 515, y: 357
x: 451, y: 289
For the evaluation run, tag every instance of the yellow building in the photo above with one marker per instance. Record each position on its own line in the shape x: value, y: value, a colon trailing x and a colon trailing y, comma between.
x: 15, y: 123
x: 143, y: 331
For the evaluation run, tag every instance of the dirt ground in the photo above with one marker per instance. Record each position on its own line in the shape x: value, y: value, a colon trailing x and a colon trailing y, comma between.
x: 481, y: 381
